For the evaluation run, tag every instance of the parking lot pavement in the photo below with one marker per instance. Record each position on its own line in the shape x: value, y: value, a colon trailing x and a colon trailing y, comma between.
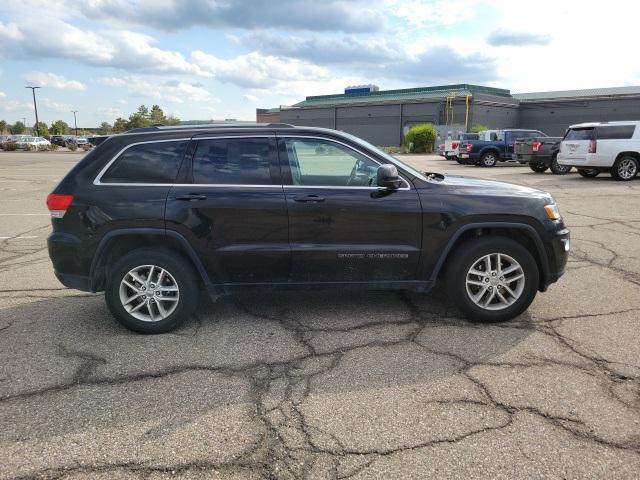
x: 324, y: 384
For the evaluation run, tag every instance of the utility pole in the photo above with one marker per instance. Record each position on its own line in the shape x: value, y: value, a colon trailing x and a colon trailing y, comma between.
x: 24, y: 122
x: 75, y: 122
x: 35, y: 107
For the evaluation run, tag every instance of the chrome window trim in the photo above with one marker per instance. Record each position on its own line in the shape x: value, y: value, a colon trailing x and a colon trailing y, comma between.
x: 97, y: 180
x: 407, y: 183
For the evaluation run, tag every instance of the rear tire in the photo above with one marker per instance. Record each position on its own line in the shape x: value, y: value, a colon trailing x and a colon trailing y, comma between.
x: 558, y: 169
x: 538, y: 167
x: 625, y: 168
x: 505, y: 298
x: 489, y: 159
x: 588, y: 172
x: 152, y: 300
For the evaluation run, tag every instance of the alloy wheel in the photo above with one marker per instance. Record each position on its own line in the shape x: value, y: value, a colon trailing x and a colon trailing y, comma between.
x: 149, y: 293
x: 495, y: 281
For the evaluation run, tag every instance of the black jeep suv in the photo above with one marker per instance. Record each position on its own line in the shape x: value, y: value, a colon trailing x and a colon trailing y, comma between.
x: 154, y: 215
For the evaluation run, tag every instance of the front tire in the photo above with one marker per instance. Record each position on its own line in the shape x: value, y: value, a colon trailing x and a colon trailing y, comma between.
x: 152, y: 290
x: 538, y: 167
x: 558, y: 169
x: 625, y: 168
x: 492, y: 279
x: 489, y: 159
x: 588, y: 172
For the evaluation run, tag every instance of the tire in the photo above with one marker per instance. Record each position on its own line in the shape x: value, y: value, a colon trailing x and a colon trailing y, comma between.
x: 538, y: 167
x: 459, y: 160
x: 489, y: 159
x: 470, y: 254
x: 625, y: 168
x: 143, y: 294
x: 588, y: 172
x: 558, y: 169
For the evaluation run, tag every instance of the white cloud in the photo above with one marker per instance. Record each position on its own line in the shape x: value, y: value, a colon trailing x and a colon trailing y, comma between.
x: 109, y: 114
x: 10, y: 31
x: 54, y: 81
x: 11, y: 106
x: 169, y: 91
x: 54, y: 106
x: 250, y: 98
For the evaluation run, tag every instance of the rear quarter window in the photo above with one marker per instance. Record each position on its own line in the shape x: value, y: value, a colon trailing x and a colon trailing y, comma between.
x: 615, y: 132
x: 156, y: 162
x: 580, y: 134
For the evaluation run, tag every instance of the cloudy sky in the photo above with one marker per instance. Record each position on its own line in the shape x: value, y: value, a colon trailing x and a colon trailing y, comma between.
x: 203, y: 59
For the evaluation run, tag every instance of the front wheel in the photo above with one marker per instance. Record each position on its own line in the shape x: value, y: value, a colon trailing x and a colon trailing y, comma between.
x: 152, y: 291
x: 489, y: 159
x: 492, y: 279
x: 625, y: 168
x: 558, y: 169
x: 538, y: 167
x: 588, y: 172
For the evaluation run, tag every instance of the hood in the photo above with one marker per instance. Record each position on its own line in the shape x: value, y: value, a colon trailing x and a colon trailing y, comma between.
x: 458, y: 185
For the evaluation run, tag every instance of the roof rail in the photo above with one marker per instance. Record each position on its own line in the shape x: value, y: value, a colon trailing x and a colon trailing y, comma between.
x: 160, y: 127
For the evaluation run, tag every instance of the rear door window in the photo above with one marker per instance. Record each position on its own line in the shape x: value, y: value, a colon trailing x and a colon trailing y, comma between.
x: 233, y: 161
x: 154, y: 162
x: 580, y: 134
x: 615, y: 132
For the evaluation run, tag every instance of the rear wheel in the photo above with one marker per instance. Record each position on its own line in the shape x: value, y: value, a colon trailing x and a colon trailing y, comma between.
x: 152, y: 291
x: 489, y: 159
x: 625, y: 168
x: 588, y: 172
x: 558, y: 169
x: 492, y: 279
x: 538, y: 167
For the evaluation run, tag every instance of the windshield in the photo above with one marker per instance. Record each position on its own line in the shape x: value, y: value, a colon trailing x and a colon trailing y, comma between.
x: 382, y: 153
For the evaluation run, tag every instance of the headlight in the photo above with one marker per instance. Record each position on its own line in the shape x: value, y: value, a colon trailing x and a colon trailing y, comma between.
x: 552, y: 212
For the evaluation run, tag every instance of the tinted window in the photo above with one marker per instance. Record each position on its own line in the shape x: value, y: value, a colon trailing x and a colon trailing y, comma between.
x: 325, y: 163
x: 579, y: 134
x: 241, y: 161
x: 147, y: 163
x: 611, y: 132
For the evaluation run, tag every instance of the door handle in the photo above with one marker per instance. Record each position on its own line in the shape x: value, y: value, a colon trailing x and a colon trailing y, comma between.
x: 191, y: 197
x: 309, y: 198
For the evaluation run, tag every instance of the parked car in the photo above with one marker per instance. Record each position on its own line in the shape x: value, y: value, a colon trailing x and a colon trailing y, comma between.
x: 97, y: 139
x: 34, y: 142
x: 593, y: 148
x: 153, y: 216
x: 452, y: 147
x: 58, y: 140
x: 541, y: 154
x: 441, y: 150
x: 493, y: 146
x: 81, y: 141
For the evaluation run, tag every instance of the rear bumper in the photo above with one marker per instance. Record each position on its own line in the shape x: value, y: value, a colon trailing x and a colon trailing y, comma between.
x: 67, y: 257
x: 589, y: 160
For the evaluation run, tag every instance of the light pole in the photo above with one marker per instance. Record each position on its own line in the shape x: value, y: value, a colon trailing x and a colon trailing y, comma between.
x: 75, y: 122
x: 35, y: 107
x: 24, y: 122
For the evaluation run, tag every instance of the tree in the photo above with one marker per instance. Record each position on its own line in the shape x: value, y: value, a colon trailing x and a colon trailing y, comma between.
x: 172, y: 120
x: 17, y: 128
x: 143, y: 110
x: 59, y: 127
x: 41, y: 128
x: 120, y: 125
x: 105, y: 128
x: 137, y: 120
x: 3, y: 126
x: 156, y: 115
x: 421, y: 138
x: 478, y: 127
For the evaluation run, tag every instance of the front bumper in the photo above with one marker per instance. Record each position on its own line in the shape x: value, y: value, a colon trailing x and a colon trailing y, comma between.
x: 557, y: 256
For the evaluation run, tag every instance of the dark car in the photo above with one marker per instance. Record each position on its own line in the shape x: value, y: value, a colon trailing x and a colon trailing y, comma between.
x: 540, y: 153
x: 58, y: 140
x: 493, y: 146
x: 153, y: 216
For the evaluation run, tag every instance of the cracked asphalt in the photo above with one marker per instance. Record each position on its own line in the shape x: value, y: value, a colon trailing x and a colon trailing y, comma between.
x: 325, y: 384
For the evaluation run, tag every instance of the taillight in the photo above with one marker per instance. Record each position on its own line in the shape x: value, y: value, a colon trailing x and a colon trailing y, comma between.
x: 593, y: 146
x: 467, y: 146
x: 455, y: 145
x: 58, y: 203
x: 535, y: 146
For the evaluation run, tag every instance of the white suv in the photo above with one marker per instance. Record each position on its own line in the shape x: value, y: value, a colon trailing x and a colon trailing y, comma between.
x: 602, y: 147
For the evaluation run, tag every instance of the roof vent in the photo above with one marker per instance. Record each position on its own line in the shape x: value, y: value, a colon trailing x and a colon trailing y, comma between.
x: 360, y: 89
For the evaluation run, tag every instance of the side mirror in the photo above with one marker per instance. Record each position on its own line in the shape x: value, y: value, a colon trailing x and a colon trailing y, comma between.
x: 388, y: 177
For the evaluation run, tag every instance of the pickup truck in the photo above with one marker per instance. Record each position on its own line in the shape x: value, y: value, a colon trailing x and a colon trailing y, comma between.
x: 452, y: 146
x: 541, y: 153
x: 493, y: 146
